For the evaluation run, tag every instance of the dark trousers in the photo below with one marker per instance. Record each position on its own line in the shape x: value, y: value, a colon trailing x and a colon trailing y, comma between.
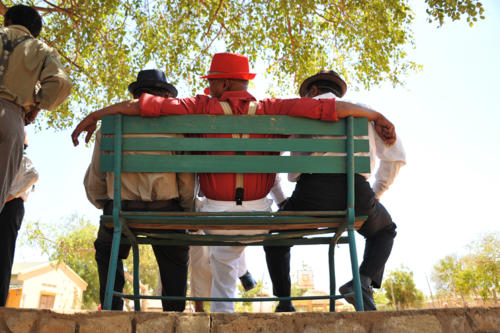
x: 11, y: 218
x: 320, y: 192
x: 172, y: 263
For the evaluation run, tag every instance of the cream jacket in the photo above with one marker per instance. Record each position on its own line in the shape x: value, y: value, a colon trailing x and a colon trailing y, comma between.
x: 137, y: 186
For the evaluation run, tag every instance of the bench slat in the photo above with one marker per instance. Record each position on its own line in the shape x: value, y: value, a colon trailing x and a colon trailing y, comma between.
x: 235, y: 163
x: 235, y: 222
x: 299, y: 241
x: 216, y: 144
x: 225, y: 124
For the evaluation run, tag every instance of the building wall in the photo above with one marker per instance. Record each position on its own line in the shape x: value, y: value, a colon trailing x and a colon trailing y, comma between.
x: 54, y: 288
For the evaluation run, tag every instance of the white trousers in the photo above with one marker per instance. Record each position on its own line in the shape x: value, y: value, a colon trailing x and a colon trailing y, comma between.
x: 226, y: 261
x: 201, y: 274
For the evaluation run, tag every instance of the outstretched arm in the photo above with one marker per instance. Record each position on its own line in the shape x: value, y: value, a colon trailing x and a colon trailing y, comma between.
x: 89, y: 123
x: 383, y: 127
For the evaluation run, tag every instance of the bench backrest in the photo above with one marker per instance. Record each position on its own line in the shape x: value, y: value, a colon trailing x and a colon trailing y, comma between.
x: 125, y: 134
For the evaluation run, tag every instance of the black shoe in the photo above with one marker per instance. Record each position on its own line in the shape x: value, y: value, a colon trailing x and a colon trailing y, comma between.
x: 366, y: 290
x: 247, y: 281
x: 285, y: 306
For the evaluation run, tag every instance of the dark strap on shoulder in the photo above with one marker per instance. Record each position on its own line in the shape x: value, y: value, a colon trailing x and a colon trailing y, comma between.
x: 8, y: 47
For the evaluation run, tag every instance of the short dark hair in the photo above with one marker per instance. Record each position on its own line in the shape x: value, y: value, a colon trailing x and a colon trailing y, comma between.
x: 152, y: 91
x: 26, y: 16
x: 325, y: 86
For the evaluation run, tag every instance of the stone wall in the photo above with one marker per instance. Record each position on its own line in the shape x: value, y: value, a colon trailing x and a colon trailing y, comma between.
x: 483, y: 320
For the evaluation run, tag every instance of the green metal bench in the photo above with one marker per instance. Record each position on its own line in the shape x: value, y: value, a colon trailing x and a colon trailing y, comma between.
x: 120, y: 135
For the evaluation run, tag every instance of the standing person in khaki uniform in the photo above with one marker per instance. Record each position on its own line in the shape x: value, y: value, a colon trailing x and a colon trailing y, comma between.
x: 24, y: 62
x: 142, y: 191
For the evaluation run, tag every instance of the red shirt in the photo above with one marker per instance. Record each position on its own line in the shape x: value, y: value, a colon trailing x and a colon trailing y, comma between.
x: 221, y: 186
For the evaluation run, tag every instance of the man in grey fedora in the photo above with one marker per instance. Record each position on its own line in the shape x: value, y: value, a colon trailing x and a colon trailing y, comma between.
x: 142, y: 191
x: 328, y: 192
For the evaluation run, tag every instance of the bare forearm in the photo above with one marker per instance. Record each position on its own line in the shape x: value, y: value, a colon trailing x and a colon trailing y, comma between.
x: 346, y: 109
x: 89, y: 124
x: 130, y: 108
x: 383, y: 127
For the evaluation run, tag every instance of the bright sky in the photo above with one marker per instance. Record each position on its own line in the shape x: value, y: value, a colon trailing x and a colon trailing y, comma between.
x: 442, y: 199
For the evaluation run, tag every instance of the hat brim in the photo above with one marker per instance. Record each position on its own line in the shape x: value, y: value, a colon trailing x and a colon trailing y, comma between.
x: 236, y: 76
x: 152, y: 84
x: 335, y: 79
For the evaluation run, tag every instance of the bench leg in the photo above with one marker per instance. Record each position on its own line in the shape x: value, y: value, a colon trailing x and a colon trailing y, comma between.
x: 113, y: 261
x: 137, y: 290
x: 331, y: 265
x: 358, y: 297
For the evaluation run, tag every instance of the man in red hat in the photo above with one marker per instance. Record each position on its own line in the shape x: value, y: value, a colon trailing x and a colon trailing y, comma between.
x: 228, y: 82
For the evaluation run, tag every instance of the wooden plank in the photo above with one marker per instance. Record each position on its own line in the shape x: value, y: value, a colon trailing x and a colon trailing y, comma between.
x: 235, y: 163
x: 240, y: 222
x: 316, y: 213
x: 222, y: 226
x: 217, y: 144
x: 232, y: 124
x: 300, y: 241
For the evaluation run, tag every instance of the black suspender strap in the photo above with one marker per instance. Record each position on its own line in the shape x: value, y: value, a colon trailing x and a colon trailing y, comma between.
x: 8, y: 47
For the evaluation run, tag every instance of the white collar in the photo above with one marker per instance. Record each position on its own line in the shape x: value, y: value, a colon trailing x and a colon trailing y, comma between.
x: 327, y: 95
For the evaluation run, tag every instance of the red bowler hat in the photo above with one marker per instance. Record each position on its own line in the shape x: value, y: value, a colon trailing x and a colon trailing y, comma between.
x: 229, y: 66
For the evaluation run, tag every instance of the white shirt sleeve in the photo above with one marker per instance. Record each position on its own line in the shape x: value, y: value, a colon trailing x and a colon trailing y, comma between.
x: 95, y: 180
x: 277, y: 192
x: 392, y: 158
x: 26, y: 177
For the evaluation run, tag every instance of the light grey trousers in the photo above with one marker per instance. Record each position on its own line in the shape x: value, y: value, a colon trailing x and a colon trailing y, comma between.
x: 11, y: 146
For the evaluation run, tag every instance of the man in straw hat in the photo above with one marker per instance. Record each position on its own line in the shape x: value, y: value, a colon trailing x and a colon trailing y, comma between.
x: 228, y: 82
x: 142, y: 191
x: 327, y: 192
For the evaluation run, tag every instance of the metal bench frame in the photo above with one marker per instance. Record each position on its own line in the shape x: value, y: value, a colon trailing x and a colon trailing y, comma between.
x: 125, y: 134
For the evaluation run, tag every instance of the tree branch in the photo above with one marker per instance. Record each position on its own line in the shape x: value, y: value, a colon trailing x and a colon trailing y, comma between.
x: 221, y: 2
x: 3, y: 8
x: 55, y: 9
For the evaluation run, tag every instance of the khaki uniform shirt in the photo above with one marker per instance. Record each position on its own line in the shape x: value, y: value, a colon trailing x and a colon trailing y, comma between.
x: 137, y: 186
x: 30, y: 62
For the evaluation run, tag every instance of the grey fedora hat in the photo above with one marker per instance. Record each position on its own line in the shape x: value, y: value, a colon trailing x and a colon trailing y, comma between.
x: 328, y: 77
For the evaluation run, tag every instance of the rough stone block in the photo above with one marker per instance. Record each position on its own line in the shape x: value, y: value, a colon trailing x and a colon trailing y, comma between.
x: 21, y: 321
x: 237, y: 323
x: 457, y: 324
x: 106, y: 323
x: 409, y: 324
x: 286, y: 323
x: 199, y: 323
x: 157, y: 324
x: 341, y: 325
x: 485, y: 320
x: 56, y: 325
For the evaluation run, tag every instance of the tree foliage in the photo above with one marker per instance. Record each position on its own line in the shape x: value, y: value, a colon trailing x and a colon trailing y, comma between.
x: 257, y: 291
x: 400, y: 289
x: 104, y: 43
x: 475, y: 274
x: 72, y: 242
